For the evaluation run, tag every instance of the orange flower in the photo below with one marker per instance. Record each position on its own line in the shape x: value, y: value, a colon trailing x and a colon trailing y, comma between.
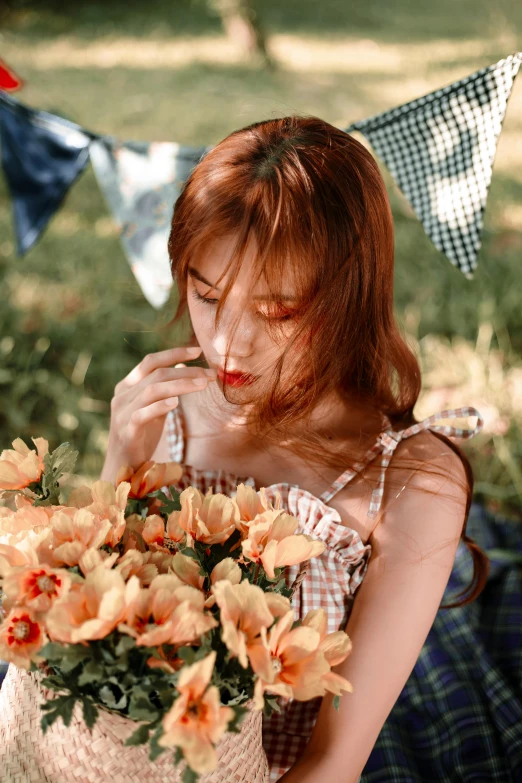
x: 154, y: 530
x: 21, y: 636
x: 28, y: 528
x: 291, y: 663
x: 110, y: 503
x: 174, y: 530
x: 272, y: 542
x: 31, y: 549
x: 196, y: 720
x: 93, y: 609
x: 132, y: 535
x: 168, y: 612
x: 92, y: 558
x: 251, y: 504
x: 21, y: 466
x: 187, y: 569
x: 335, y: 646
x: 243, y: 613
x: 149, y: 477
x: 227, y: 569
x: 37, y: 587
x: 15, y: 523
x: 210, y: 518
x: 146, y: 565
x: 73, y: 537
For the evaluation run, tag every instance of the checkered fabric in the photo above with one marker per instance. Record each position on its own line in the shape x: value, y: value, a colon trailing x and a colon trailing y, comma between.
x: 330, y: 580
x: 440, y: 150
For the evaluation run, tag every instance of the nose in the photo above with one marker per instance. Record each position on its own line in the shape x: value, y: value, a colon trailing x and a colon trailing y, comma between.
x: 242, y: 345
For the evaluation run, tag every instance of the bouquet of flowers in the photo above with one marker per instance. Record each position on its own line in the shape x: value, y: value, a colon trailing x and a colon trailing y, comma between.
x: 167, y: 614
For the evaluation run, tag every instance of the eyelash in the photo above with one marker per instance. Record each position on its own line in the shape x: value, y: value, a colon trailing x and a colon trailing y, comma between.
x: 197, y: 296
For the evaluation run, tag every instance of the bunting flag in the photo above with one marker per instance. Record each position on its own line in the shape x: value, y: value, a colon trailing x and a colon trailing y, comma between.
x: 440, y: 151
x: 141, y: 183
x: 42, y: 155
x: 9, y: 81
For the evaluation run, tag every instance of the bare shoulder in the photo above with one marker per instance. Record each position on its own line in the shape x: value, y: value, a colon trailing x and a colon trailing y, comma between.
x: 423, y: 507
x: 423, y: 470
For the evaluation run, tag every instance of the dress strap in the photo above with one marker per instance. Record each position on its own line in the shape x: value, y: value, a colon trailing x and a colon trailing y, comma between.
x: 388, y: 441
x: 175, y: 435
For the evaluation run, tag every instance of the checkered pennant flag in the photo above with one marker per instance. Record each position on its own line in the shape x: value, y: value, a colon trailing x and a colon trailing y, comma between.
x: 440, y: 150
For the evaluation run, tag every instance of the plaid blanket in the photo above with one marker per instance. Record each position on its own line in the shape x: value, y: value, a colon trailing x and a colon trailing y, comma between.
x: 459, y: 716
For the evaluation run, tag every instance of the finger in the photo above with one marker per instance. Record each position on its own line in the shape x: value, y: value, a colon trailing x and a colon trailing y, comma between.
x: 152, y: 387
x: 153, y: 361
x: 142, y: 416
x: 154, y: 392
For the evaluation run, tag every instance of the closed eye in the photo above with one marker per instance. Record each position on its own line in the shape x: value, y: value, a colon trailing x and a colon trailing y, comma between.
x: 285, y: 317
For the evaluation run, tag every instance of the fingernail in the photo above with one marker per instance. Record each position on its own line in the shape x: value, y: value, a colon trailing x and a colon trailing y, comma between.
x: 193, y: 351
x: 199, y: 381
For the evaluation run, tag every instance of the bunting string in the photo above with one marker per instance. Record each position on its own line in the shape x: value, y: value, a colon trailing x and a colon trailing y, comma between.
x: 439, y: 149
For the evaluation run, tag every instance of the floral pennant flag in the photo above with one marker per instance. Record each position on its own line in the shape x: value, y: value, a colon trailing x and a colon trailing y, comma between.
x: 440, y: 150
x: 42, y: 155
x: 141, y: 182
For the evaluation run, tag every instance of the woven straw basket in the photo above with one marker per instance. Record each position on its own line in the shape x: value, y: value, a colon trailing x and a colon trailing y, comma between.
x: 74, y: 754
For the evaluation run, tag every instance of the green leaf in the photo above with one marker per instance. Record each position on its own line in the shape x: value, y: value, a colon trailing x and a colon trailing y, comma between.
x: 52, y: 651
x: 186, y: 654
x: 140, y: 736
x: 178, y: 756
x: 49, y: 719
x: 273, y: 703
x: 92, y: 672
x: 72, y: 655
x: 62, y: 459
x: 113, y: 697
x: 237, y: 720
x: 90, y: 712
x: 337, y: 701
x: 125, y: 644
x: 155, y: 749
x: 67, y: 710
x: 55, y: 682
x: 189, y: 552
x: 189, y: 776
x: 241, y: 697
x: 142, y: 709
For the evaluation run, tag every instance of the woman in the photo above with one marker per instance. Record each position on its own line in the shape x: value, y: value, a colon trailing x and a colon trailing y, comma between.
x: 282, y: 248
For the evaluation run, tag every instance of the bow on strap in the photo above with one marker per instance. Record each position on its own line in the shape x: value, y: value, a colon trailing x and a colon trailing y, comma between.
x: 389, y: 439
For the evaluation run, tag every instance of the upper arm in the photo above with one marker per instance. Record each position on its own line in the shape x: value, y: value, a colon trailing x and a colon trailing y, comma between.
x: 414, y: 547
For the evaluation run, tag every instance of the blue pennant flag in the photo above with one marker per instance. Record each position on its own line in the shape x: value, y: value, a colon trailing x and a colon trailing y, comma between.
x: 440, y: 151
x: 42, y: 155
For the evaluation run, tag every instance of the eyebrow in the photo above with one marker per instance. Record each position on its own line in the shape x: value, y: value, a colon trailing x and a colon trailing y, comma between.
x: 270, y: 297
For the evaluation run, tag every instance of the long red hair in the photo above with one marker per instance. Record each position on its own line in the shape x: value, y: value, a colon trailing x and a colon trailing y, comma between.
x: 314, y: 199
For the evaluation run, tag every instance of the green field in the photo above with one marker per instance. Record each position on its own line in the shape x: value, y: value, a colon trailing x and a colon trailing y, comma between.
x: 73, y: 319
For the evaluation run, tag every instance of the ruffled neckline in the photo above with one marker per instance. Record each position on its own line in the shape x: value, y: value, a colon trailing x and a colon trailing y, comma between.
x: 315, y: 517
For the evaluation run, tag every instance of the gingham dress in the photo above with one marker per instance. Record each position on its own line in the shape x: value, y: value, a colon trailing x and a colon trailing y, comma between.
x: 331, y: 579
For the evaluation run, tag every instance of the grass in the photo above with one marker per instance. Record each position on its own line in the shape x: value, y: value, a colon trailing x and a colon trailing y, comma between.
x: 73, y: 320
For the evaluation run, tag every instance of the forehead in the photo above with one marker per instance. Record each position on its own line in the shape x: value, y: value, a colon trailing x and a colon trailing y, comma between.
x: 212, y: 261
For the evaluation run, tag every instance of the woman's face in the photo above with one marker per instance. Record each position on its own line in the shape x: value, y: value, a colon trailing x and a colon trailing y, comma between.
x: 253, y: 350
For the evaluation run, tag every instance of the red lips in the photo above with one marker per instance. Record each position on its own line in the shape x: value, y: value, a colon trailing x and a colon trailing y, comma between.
x: 235, y: 379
